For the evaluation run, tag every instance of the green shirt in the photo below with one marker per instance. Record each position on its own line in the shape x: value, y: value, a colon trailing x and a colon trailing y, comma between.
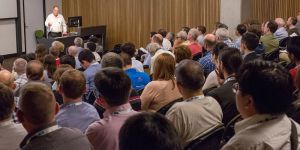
x: 270, y: 42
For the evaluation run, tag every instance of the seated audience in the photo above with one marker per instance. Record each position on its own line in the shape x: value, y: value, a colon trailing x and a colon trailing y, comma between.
x: 73, y: 51
x: 240, y: 30
x: 40, y: 53
x: 206, y: 62
x: 180, y: 39
x: 69, y: 60
x: 92, y: 47
x: 148, y: 131
x: 281, y: 32
x: 99, y: 48
x: 166, y: 43
x: 151, y: 49
x: 162, y: 90
x: 114, y: 86
x: 181, y: 53
x: 262, y: 102
x: 91, y: 66
x: 11, y: 133
x: 49, y: 68
x: 138, y: 79
x: 39, y: 122
x: 7, y: 79
x: 57, y: 49
x: 200, y: 38
x: 19, y: 67
x: 298, y: 23
x: 229, y: 63
x: 157, y: 38
x: 129, y: 48
x: 35, y: 72
x: 171, y: 36
x: 194, y: 46
x: 111, y: 60
x: 186, y: 29
x: 293, y: 49
x: 249, y: 42
x: 291, y: 26
x: 78, y: 43
x: 157, y: 53
x: 74, y: 113
x: 197, y: 114
x: 269, y: 41
x: 222, y: 35
x: 260, y: 49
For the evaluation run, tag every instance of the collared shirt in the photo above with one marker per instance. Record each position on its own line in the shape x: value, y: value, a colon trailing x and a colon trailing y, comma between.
x: 11, y: 134
x: 104, y: 134
x: 270, y: 42
x: 166, y: 44
x: 195, y: 48
x: 207, y: 64
x: 58, y: 23
x: 137, y: 64
x: 138, y: 79
x: 195, y: 117
x: 230, y: 43
x: 281, y: 33
x: 261, y: 132
x: 77, y: 115
x: 89, y: 74
x: 20, y: 81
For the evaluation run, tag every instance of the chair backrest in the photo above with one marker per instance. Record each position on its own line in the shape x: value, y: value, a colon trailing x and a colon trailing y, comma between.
x: 208, y: 141
x: 165, y: 108
x: 229, y: 129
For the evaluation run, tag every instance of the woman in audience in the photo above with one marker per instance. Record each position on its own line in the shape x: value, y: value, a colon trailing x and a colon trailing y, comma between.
x: 181, y: 53
x: 49, y: 68
x: 162, y: 90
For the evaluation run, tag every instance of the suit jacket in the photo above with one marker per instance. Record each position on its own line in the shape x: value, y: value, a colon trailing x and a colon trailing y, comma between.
x: 250, y: 57
x: 226, y: 98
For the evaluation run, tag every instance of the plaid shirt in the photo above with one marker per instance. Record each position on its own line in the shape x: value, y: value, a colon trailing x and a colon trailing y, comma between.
x: 207, y: 64
x: 20, y: 81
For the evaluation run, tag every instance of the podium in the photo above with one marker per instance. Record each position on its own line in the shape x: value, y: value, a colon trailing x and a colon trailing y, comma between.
x: 86, y: 32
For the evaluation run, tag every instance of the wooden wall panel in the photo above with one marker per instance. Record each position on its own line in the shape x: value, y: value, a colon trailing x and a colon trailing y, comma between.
x: 264, y: 10
x: 132, y: 20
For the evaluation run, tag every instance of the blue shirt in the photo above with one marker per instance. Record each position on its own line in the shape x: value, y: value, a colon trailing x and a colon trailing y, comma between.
x: 77, y: 115
x: 138, y: 79
x: 207, y: 63
x: 281, y: 33
x: 89, y: 74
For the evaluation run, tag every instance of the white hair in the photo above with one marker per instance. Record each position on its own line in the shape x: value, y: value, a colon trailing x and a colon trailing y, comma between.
x: 182, y: 35
x: 194, y: 33
x: 222, y: 33
x: 78, y: 42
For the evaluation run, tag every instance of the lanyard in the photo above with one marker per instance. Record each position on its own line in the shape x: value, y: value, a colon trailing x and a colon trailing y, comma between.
x: 43, y: 132
x: 195, y: 98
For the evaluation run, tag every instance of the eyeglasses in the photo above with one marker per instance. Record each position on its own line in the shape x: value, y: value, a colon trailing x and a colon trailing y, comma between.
x: 177, y: 37
x: 235, y: 87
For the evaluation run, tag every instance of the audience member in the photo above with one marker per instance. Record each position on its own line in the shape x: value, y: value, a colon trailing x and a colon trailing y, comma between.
x: 240, y: 30
x: 99, y: 48
x: 197, y: 114
x: 35, y: 72
x: 39, y: 121
x: 229, y: 63
x: 162, y: 90
x: 157, y: 53
x: 249, y: 42
x: 291, y: 26
x: 129, y: 48
x: 181, y: 53
x: 1, y: 62
x: 281, y: 32
x: 180, y: 39
x: 293, y: 49
x: 157, y: 38
x: 7, y: 79
x: 200, y: 38
x: 114, y: 86
x: 269, y: 41
x: 206, y: 62
x: 186, y: 29
x: 148, y: 131
x: 69, y: 60
x: 151, y: 48
x: 298, y: 23
x: 171, y: 36
x: 166, y: 43
x: 260, y: 49
x: 11, y: 133
x: 92, y: 47
x: 138, y: 79
x: 74, y: 113
x: 78, y: 42
x: 112, y: 60
x: 40, y: 53
x: 73, y: 51
x: 262, y: 102
x: 19, y: 67
x: 49, y: 68
x: 58, y: 48
x: 222, y: 35
x: 194, y: 46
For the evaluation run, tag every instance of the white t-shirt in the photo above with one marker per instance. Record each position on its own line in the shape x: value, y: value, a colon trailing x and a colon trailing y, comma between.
x: 58, y: 23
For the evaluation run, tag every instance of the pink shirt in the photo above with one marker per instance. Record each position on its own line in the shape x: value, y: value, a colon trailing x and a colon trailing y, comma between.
x: 104, y: 134
x: 195, y: 48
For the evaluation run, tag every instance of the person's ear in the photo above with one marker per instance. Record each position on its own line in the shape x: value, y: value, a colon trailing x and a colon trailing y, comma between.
x: 20, y: 116
x: 56, y: 108
x: 179, y: 87
x: 249, y: 105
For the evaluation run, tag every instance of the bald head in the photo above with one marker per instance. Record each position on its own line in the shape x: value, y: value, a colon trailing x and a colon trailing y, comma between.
x: 280, y: 22
x: 210, y: 41
x: 34, y: 70
x: 20, y: 66
x: 7, y: 78
x: 73, y: 51
x: 157, y: 38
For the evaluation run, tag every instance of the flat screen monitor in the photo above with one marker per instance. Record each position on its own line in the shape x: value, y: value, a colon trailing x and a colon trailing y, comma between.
x: 75, y: 21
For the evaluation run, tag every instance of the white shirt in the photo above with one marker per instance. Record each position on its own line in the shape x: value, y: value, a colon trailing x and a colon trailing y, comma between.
x: 262, y: 132
x: 137, y: 65
x: 58, y: 23
x: 166, y: 44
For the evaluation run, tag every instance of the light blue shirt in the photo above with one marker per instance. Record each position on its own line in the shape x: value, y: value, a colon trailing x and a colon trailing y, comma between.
x: 281, y: 33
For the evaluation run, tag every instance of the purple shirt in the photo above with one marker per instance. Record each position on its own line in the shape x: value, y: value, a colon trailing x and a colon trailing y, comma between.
x: 104, y: 134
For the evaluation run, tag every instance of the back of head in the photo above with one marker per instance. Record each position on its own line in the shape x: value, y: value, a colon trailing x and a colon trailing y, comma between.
x: 20, y: 65
x: 241, y: 29
x: 269, y: 84
x: 91, y: 46
x: 219, y: 46
x: 37, y: 103
x: 68, y: 59
x: 202, y: 29
x: 73, y: 50
x: 231, y: 59
x: 148, y: 131
x: 40, y: 52
x: 50, y: 65
x: 256, y: 29
x: 34, y: 70
x: 6, y: 102
x: 86, y: 55
x: 250, y: 40
x: 157, y: 38
x: 7, y: 78
x: 293, y: 20
x: 164, y: 67
x: 182, y: 35
x: 186, y: 29
x: 210, y: 40
x: 113, y: 85
x: 58, y: 46
x: 152, y: 48
x: 222, y: 33
x: 190, y: 75
x: 78, y: 42
x: 93, y: 39
x: 59, y: 71
x: 272, y: 26
x: 163, y: 32
x: 127, y: 61
x: 72, y: 83
x: 193, y: 34
x: 128, y: 48
x: 111, y: 60
x: 293, y: 47
x: 181, y: 53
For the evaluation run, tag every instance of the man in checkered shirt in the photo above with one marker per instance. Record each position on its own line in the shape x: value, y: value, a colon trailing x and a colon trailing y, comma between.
x: 223, y: 36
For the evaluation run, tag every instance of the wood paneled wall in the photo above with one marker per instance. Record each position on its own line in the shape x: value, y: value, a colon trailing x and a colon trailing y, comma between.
x: 132, y: 20
x: 264, y: 10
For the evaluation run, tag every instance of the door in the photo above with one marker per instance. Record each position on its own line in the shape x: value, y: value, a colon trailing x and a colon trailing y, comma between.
x: 34, y: 20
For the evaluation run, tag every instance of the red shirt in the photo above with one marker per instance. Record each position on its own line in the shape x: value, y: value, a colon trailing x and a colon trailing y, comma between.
x: 57, y: 61
x: 293, y: 73
x: 195, y: 48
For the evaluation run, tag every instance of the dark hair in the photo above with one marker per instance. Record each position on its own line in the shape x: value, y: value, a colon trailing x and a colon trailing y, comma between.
x: 117, y: 48
x: 50, y: 65
x: 128, y: 48
x: 293, y: 46
x: 30, y: 56
x: 72, y: 83
x: 251, y: 40
x: 113, y: 85
x: 221, y: 25
x: 163, y: 32
x: 1, y: 59
x: 111, y: 60
x: 272, y: 25
x: 202, y: 29
x: 93, y: 39
x: 294, y: 20
x: 269, y: 84
x: 182, y: 52
x: 6, y: 102
x: 40, y: 52
x: 126, y: 59
x: 241, y: 29
x: 256, y: 29
x: 219, y: 46
x: 91, y: 46
x: 186, y: 29
x: 231, y: 59
x: 86, y: 55
x: 34, y: 70
x: 152, y: 33
x: 148, y: 131
x: 190, y: 75
x: 68, y: 59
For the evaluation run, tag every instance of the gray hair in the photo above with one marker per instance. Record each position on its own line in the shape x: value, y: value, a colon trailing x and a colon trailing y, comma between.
x: 182, y: 35
x: 78, y: 42
x: 222, y: 34
x: 194, y: 33
x: 20, y: 66
x: 72, y: 50
x: 112, y: 60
